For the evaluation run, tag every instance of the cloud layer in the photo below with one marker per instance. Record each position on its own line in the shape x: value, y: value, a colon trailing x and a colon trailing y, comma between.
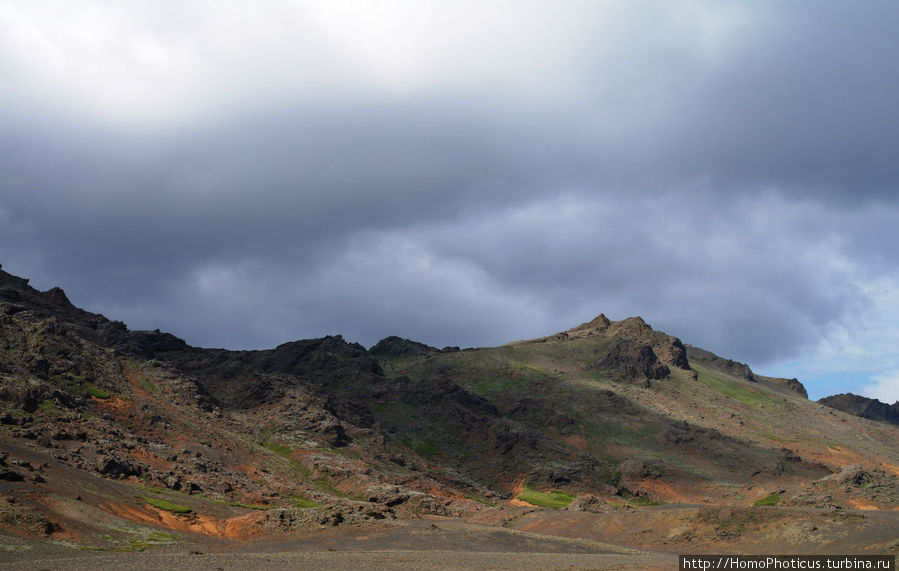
x: 464, y: 173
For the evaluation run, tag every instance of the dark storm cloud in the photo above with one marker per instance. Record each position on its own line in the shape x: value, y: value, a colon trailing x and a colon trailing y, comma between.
x: 757, y: 265
x: 726, y: 171
x: 807, y: 107
x: 136, y: 221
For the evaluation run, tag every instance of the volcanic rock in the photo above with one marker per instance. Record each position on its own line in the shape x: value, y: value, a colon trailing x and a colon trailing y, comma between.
x: 864, y: 407
x: 633, y: 362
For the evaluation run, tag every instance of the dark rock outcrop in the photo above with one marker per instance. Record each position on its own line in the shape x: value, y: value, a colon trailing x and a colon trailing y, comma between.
x: 394, y: 346
x: 634, y: 362
x: 729, y: 366
x: 791, y: 384
x: 667, y: 349
x: 742, y: 371
x: 864, y: 407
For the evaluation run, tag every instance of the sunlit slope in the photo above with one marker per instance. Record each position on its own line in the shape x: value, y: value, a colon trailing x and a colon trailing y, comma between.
x: 703, y: 433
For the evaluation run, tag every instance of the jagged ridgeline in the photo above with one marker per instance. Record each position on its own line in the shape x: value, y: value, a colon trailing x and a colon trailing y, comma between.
x: 864, y: 407
x: 329, y: 432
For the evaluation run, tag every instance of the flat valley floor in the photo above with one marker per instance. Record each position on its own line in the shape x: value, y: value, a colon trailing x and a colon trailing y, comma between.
x: 538, y: 539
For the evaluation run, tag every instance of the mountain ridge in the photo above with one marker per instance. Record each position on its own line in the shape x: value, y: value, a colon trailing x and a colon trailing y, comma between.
x: 873, y: 409
x: 323, y: 432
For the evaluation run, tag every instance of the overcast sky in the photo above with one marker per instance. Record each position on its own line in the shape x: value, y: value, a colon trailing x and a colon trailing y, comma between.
x: 465, y: 173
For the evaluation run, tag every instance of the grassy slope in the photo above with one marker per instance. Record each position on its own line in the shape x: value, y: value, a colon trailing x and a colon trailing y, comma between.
x: 771, y: 419
x: 615, y: 421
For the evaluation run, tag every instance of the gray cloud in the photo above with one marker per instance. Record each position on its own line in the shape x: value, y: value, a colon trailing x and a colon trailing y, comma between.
x: 469, y: 176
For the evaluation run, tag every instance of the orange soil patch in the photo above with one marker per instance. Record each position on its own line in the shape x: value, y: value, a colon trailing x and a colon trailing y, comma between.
x: 891, y: 468
x: 115, y: 404
x: 846, y: 456
x: 517, y: 502
x: 180, y: 440
x: 863, y: 505
x: 18, y: 530
x: 151, y: 459
x: 249, y: 471
x: 442, y: 494
x: 240, y: 527
x: 577, y: 441
x: 133, y: 377
x: 517, y: 489
x: 666, y: 493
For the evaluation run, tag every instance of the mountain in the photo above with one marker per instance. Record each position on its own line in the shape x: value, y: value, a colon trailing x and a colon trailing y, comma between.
x: 863, y: 407
x: 122, y: 440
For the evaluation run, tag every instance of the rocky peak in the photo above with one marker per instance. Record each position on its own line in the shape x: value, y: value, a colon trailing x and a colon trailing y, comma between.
x: 57, y: 296
x: 630, y: 335
x: 394, y: 346
x: 634, y: 325
x: 598, y: 326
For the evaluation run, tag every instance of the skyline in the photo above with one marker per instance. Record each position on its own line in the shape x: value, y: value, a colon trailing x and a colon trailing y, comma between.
x: 465, y: 173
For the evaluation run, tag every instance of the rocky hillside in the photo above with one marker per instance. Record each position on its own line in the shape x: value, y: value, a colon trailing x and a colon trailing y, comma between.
x: 742, y: 371
x: 863, y: 407
x: 103, y: 425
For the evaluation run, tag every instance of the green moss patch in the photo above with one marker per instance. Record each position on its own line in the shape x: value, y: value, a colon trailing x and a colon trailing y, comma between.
x: 769, y: 500
x: 303, y: 503
x: 96, y: 392
x: 325, y: 485
x: 168, y: 506
x: 279, y: 449
x: 553, y: 499
x: 139, y: 542
x: 243, y: 505
x: 424, y: 447
x: 729, y: 388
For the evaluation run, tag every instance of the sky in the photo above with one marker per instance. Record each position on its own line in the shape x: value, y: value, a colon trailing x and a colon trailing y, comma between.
x: 465, y: 172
